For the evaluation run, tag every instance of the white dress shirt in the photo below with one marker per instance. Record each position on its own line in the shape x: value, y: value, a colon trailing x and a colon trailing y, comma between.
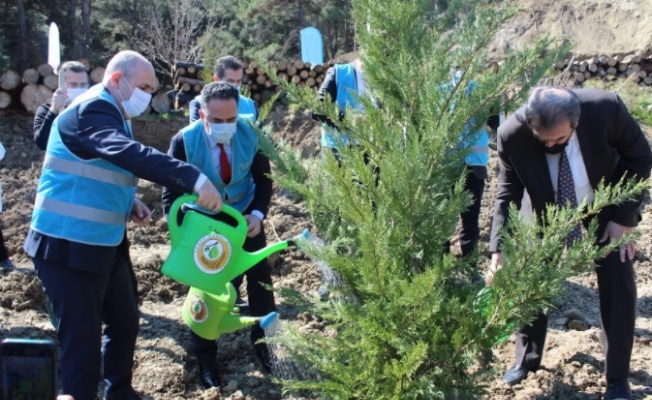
x: 216, y: 152
x: 583, y: 189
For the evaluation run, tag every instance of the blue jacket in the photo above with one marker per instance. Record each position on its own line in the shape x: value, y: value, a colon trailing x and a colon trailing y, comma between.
x: 246, y: 109
x: 239, y: 192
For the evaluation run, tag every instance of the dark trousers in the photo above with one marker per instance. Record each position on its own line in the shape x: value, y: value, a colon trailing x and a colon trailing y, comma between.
x: 617, y: 290
x: 82, y: 301
x: 261, y: 300
x: 4, y: 253
x: 470, y: 232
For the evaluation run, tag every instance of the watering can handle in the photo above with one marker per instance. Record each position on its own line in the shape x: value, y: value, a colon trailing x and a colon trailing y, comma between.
x: 191, y: 198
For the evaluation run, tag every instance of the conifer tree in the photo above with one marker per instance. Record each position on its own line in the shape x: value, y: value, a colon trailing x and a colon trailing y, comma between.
x: 406, y: 322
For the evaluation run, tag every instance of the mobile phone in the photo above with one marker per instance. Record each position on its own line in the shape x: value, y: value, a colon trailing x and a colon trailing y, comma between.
x: 62, y: 80
x: 28, y: 369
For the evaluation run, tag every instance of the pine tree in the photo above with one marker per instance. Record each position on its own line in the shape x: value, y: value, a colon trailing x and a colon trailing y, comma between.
x: 406, y: 321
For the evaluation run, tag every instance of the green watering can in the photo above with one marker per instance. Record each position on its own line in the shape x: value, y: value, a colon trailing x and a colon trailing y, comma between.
x: 207, y: 254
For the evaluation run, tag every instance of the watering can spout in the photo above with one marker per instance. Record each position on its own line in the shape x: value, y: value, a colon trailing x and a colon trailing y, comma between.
x: 257, y: 256
x: 233, y: 322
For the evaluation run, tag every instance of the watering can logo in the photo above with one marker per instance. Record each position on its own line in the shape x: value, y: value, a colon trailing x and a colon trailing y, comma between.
x: 198, y: 309
x: 212, y: 253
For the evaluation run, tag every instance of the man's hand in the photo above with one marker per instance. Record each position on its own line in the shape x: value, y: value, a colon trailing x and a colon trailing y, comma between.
x: 614, y: 232
x: 59, y: 99
x: 209, y: 197
x: 140, y: 213
x: 253, y: 225
x: 496, y: 264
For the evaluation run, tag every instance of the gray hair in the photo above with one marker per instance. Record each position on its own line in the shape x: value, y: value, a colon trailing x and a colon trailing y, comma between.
x: 126, y: 62
x: 217, y: 90
x: 547, y: 107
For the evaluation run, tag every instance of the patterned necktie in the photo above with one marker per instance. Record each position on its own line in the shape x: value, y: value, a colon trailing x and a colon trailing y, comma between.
x: 566, y: 194
x: 225, y: 166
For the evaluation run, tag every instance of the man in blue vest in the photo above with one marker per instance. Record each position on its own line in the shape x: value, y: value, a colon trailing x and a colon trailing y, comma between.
x: 230, y: 70
x: 225, y: 148
x: 342, y: 84
x: 476, y: 173
x: 77, y: 237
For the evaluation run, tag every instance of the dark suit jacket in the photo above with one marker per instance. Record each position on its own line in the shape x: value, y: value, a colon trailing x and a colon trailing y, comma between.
x: 612, y: 146
x: 260, y: 170
x: 42, y: 125
x: 95, y: 129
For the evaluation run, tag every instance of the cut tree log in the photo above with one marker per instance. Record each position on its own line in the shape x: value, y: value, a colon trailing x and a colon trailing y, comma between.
x: 198, y: 88
x: 296, y: 79
x: 45, y: 70
x: 51, y: 82
x: 97, y: 74
x: 593, y: 67
x: 319, y: 69
x: 622, y: 67
x: 86, y: 63
x: 9, y: 80
x: 33, y: 96
x: 253, y: 65
x: 161, y: 103
x: 260, y: 79
x: 298, y: 64
x: 282, y: 66
x: 31, y: 76
x: 292, y: 70
x: 310, y: 82
x: 5, y: 100
x: 268, y: 84
x: 304, y: 74
x: 611, y: 61
x: 612, y: 71
x: 190, y: 81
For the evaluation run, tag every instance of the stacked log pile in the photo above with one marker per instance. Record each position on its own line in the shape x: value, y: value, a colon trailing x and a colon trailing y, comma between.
x: 635, y: 67
x: 33, y: 87
x: 261, y: 87
x: 188, y: 80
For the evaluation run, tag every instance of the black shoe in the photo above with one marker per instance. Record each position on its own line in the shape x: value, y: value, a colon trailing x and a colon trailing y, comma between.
x: 241, y: 304
x: 264, y: 355
x: 515, y: 375
x: 618, y: 389
x: 208, y: 374
x: 131, y: 396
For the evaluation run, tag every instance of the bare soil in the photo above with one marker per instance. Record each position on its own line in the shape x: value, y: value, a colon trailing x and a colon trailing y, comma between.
x: 573, y: 362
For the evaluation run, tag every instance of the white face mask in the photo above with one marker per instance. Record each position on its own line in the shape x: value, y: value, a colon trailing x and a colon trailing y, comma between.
x: 222, y: 133
x: 137, y: 103
x: 74, y: 93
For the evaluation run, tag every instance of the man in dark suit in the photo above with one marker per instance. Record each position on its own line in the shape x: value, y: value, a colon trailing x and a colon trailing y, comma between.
x: 225, y: 148
x: 77, y: 237
x: 558, y: 147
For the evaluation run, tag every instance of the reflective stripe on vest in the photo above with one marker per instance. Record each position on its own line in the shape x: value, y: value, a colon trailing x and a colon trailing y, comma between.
x: 78, y: 211
x: 89, y: 171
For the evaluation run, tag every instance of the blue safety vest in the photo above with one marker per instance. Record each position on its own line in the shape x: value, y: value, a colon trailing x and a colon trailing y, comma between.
x: 347, y: 88
x: 239, y: 192
x: 85, y: 201
x: 247, y: 108
x: 478, y: 142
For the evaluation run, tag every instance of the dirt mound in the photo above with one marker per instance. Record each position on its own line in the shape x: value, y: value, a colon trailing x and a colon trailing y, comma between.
x: 593, y: 26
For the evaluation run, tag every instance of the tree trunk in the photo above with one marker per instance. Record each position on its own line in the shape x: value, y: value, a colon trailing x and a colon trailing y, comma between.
x: 9, y: 80
x: 33, y: 96
x: 51, y: 82
x: 45, y: 70
x: 86, y: 29
x: 97, y: 74
x: 161, y: 103
x: 71, y: 20
x: 5, y: 100
x: 22, y: 35
x: 31, y: 76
